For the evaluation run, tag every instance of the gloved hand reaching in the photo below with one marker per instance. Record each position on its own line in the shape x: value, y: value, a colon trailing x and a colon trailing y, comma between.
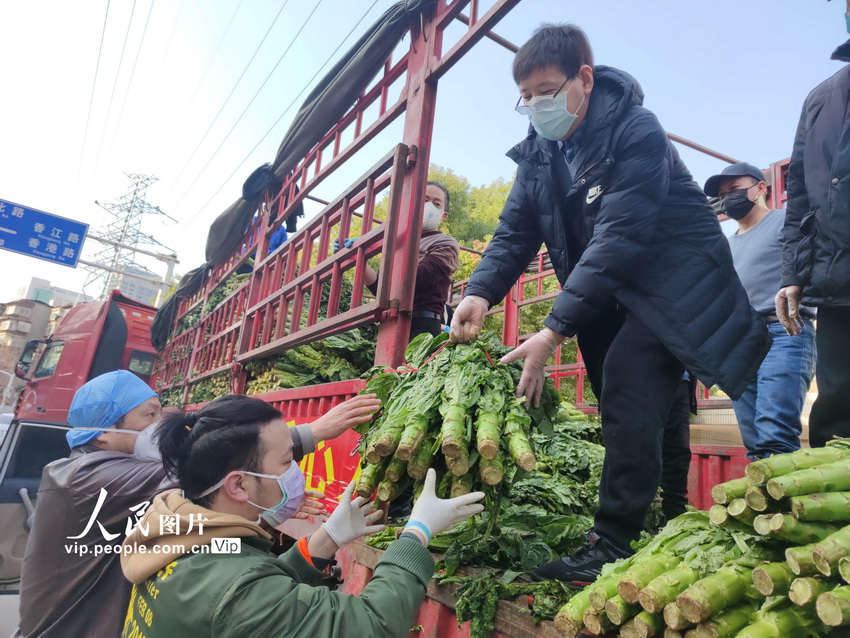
x: 536, y: 352
x: 468, y: 319
x: 432, y: 515
x: 347, y: 243
x: 352, y: 519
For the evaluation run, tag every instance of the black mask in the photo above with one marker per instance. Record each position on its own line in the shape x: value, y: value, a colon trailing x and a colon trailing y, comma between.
x: 735, y: 204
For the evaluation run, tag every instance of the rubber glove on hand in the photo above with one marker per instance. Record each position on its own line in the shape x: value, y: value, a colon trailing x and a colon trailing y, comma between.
x: 468, y: 319
x: 347, y: 243
x: 536, y: 352
x: 352, y: 519
x: 788, y: 309
x: 432, y: 515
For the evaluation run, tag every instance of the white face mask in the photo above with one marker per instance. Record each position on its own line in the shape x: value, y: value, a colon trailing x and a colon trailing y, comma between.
x: 431, y: 217
x: 147, y: 447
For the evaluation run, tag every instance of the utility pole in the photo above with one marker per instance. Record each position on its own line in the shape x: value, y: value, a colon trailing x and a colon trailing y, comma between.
x: 122, y: 238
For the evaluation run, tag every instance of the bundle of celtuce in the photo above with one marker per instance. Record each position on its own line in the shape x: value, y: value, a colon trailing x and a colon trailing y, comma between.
x: 793, y: 506
x: 210, y: 388
x: 690, y: 559
x: 803, y: 501
x: 452, y: 407
x: 543, y: 514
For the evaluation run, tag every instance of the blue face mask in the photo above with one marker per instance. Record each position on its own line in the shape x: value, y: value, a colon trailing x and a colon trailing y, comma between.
x: 847, y: 18
x: 550, y: 116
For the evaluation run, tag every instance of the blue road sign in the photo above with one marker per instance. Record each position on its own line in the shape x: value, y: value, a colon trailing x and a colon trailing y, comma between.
x: 41, y: 235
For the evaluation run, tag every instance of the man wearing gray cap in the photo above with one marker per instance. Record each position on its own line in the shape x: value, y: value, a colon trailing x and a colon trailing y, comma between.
x: 769, y: 411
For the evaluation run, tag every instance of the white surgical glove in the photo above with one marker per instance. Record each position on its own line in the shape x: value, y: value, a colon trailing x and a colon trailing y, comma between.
x: 352, y: 519
x: 432, y: 515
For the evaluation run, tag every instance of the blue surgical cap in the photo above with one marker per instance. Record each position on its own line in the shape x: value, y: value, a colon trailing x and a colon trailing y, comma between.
x: 102, y: 401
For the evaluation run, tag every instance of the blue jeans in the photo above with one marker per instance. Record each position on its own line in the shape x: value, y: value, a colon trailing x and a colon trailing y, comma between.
x: 769, y: 411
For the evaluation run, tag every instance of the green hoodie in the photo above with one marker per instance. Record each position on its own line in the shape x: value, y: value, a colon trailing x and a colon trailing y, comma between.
x: 254, y: 594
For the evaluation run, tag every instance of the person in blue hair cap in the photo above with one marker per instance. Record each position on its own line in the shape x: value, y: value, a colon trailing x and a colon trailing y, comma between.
x: 72, y: 584
x: 104, y: 402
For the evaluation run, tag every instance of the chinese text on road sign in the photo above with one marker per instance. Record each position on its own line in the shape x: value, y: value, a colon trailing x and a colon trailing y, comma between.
x: 41, y: 235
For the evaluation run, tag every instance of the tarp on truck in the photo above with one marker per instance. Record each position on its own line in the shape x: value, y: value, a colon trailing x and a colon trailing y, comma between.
x: 332, y: 97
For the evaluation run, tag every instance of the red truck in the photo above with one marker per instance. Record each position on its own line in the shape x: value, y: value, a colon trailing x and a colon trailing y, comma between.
x: 294, y: 295
x: 90, y: 339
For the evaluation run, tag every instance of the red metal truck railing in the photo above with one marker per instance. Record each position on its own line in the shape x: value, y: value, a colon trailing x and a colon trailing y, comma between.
x: 279, y: 308
x: 286, y: 311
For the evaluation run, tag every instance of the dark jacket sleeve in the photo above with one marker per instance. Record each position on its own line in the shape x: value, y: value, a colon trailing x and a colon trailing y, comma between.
x: 515, y: 243
x: 625, y: 225
x: 279, y: 598
x: 796, y: 207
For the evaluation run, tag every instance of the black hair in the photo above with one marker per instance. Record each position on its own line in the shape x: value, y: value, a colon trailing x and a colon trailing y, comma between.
x: 445, y: 192
x: 562, y: 46
x: 201, y: 448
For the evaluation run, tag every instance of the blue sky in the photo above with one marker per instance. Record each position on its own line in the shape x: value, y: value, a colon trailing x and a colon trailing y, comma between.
x: 730, y: 75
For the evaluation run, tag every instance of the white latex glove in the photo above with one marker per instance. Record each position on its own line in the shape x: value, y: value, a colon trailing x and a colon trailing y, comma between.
x: 352, y: 519
x: 468, y: 319
x: 536, y: 352
x: 432, y: 515
x: 788, y: 309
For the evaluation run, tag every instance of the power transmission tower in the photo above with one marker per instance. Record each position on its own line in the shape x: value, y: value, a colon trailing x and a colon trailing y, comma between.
x: 122, y: 238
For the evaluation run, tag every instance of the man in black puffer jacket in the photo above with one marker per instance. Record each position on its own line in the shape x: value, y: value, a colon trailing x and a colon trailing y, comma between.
x: 816, y: 252
x: 648, y: 282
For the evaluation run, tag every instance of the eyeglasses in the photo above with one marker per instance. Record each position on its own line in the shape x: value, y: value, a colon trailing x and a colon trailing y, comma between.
x: 541, y: 104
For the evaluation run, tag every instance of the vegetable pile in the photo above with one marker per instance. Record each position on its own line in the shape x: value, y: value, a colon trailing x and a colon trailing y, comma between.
x: 767, y: 560
x: 224, y: 290
x: 337, y: 358
x: 210, y: 388
x: 453, y: 408
x: 540, y: 515
x: 543, y: 514
x: 188, y: 321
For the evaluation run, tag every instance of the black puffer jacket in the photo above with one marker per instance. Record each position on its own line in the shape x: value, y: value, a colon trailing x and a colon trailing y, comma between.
x: 633, y: 226
x: 817, y: 221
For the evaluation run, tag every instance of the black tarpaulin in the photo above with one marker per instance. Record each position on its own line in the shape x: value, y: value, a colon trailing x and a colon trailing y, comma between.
x: 343, y: 84
x: 163, y: 322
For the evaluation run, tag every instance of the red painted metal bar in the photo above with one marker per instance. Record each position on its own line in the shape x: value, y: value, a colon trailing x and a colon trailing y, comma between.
x: 406, y: 212
x: 386, y: 115
x: 510, y: 46
x: 478, y: 29
x: 778, y: 173
x: 702, y: 149
x: 261, y: 336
